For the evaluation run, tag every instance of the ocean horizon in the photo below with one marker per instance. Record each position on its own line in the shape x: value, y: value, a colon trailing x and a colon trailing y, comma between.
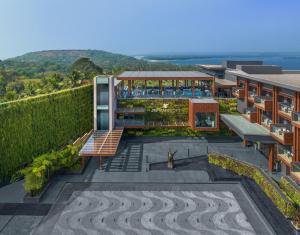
x: 288, y: 61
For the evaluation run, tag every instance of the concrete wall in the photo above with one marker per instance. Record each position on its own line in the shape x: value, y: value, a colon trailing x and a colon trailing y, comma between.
x: 260, y: 69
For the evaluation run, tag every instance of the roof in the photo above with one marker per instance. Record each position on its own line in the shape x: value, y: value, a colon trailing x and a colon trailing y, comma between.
x: 204, y: 101
x: 245, y: 129
x: 102, y: 144
x: 212, y: 66
x: 225, y: 82
x: 163, y: 74
x: 285, y: 80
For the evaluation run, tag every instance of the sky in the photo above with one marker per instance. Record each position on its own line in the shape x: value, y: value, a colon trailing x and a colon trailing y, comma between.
x: 137, y: 27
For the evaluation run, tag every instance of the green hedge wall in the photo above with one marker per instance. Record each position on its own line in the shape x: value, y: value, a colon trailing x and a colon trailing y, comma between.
x: 33, y: 126
x: 291, y: 190
x: 170, y: 110
x: 267, y: 185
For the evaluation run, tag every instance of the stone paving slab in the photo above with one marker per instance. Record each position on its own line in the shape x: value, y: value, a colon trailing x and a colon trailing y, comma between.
x: 21, y: 225
x: 4, y: 219
x: 119, y: 201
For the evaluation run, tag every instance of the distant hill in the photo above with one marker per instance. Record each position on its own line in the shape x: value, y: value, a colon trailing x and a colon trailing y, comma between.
x: 67, y: 57
x: 63, y: 59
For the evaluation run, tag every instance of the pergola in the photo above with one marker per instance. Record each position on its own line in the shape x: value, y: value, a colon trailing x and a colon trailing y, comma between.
x: 102, y: 143
x: 191, y: 77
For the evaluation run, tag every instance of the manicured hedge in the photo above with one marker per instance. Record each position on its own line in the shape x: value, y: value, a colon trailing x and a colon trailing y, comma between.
x: 32, y: 126
x: 267, y: 184
x: 290, y: 189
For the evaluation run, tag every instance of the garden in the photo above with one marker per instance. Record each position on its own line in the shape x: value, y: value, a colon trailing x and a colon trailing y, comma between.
x: 284, y: 194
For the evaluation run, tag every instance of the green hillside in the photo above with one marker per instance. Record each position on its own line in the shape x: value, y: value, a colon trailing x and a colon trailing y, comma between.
x: 61, y: 60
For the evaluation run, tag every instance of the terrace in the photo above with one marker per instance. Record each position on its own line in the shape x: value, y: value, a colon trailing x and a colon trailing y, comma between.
x: 166, y: 92
x: 266, y: 121
x: 285, y: 154
x: 296, y: 118
x: 250, y: 114
x: 285, y: 109
x: 238, y: 92
x: 283, y: 133
x: 251, y: 95
x: 165, y: 84
x: 263, y: 102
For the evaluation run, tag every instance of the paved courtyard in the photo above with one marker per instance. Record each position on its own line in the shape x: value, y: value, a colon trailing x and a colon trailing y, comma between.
x: 108, y: 209
x: 217, y: 208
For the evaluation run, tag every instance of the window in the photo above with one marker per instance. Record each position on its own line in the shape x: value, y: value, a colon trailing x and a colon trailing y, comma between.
x: 205, y: 120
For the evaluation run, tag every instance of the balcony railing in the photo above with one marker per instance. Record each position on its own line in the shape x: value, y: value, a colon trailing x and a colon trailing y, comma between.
x: 165, y: 93
x: 250, y: 114
x: 296, y: 118
x: 263, y: 102
x: 284, y: 153
x: 238, y: 92
x: 266, y: 121
x: 130, y: 123
x: 283, y: 133
x: 285, y: 108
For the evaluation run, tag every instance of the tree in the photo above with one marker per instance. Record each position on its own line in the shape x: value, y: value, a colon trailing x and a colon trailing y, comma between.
x: 87, y: 67
x: 2, y: 85
x: 17, y: 86
x: 74, y: 77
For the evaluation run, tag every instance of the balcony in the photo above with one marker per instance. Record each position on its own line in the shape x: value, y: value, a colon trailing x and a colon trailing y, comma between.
x: 284, y: 154
x: 285, y: 110
x: 296, y: 119
x: 130, y: 123
x: 263, y: 102
x: 238, y: 92
x: 250, y: 114
x: 266, y: 121
x: 295, y: 172
x: 251, y: 96
x: 283, y: 133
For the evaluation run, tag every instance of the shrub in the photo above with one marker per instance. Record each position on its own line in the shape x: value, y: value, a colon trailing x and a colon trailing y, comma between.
x: 290, y: 190
x: 32, y: 126
x: 266, y: 184
x: 44, y: 166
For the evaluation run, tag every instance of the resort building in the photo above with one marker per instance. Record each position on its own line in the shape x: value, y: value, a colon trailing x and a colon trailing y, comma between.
x: 224, y: 83
x: 110, y: 119
x: 269, y: 103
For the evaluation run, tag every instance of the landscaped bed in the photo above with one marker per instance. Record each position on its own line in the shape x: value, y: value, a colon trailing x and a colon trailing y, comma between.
x: 285, y: 197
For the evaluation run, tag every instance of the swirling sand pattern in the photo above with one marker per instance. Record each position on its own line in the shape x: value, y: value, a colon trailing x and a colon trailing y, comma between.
x: 152, y: 212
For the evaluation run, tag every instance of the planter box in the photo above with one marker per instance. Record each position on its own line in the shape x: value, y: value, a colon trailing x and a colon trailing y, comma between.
x: 78, y: 172
x: 36, y: 199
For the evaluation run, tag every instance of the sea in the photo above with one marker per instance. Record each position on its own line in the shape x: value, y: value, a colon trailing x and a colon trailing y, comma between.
x: 287, y: 60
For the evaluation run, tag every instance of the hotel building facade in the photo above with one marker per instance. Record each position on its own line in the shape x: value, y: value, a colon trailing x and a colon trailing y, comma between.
x: 269, y: 97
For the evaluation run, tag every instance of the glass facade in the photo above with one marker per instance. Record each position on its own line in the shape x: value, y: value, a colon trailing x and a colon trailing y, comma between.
x: 205, y: 120
x: 102, y: 106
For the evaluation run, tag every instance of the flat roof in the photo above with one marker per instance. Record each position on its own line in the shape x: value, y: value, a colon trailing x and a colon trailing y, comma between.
x: 212, y: 66
x: 204, y: 101
x: 225, y: 82
x: 164, y: 74
x: 245, y: 129
x: 289, y: 81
